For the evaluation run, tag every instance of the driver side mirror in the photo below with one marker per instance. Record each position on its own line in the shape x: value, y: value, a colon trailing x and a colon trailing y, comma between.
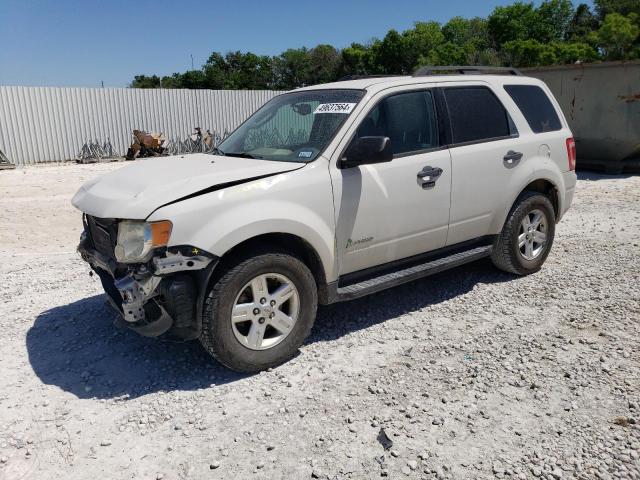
x: 366, y: 150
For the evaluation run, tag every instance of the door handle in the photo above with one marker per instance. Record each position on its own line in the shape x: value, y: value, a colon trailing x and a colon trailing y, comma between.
x: 428, y: 176
x: 512, y: 158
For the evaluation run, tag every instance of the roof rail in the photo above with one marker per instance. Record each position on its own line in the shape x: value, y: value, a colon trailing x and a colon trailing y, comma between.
x: 465, y: 70
x: 360, y: 77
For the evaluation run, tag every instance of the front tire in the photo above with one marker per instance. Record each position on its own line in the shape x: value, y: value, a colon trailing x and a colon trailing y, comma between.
x: 259, y: 312
x: 527, y: 235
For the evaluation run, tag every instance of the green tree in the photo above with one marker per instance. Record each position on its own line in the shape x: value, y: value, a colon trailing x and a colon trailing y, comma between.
x: 192, y: 79
x: 325, y: 64
x: 447, y: 53
x: 248, y: 71
x: 623, y: 7
x: 215, y: 70
x: 356, y: 59
x: 389, y: 54
x: 555, y: 19
x: 419, y: 45
x: 525, y: 53
x: 522, y: 21
x: 519, y: 21
x: 291, y: 68
x: 531, y: 53
x: 172, y: 81
x: 617, y: 35
x: 144, y: 81
x: 472, y: 35
x: 582, y: 23
x: 238, y: 70
x: 572, y: 52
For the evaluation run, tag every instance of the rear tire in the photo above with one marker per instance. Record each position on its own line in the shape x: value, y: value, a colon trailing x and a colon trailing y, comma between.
x: 247, y: 335
x: 527, y: 235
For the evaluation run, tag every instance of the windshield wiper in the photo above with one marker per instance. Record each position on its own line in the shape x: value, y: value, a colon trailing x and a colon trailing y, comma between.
x: 241, y: 155
x: 217, y: 151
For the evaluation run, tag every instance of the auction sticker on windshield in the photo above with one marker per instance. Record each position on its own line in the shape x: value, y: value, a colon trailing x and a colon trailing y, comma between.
x: 334, y: 108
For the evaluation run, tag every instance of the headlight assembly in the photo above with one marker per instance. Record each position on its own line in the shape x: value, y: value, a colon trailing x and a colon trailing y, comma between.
x: 137, y: 239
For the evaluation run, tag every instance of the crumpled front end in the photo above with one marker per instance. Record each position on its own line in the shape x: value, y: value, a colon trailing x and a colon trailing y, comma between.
x: 153, y: 297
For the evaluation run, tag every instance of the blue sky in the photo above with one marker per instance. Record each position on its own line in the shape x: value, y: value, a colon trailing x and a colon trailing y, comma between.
x: 82, y: 43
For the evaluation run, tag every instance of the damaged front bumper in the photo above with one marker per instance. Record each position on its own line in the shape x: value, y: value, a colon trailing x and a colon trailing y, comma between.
x: 156, y: 296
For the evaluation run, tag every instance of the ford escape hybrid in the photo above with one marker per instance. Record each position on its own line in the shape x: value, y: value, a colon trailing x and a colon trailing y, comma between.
x: 328, y: 193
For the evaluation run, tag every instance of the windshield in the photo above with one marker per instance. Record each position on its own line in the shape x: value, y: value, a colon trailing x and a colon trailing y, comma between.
x: 294, y: 127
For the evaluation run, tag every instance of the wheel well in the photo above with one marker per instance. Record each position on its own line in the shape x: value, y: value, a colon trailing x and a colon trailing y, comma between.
x: 546, y: 188
x: 290, y: 243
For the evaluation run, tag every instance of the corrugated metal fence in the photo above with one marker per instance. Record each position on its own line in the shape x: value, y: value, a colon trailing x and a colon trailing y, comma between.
x: 41, y: 124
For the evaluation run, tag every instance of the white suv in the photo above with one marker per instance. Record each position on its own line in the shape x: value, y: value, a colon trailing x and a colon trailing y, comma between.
x: 328, y: 193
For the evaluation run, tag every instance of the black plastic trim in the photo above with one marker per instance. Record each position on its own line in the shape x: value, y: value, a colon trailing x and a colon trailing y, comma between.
x: 484, y: 140
x: 378, y: 270
x: 409, y: 274
x: 364, y: 282
x: 466, y: 70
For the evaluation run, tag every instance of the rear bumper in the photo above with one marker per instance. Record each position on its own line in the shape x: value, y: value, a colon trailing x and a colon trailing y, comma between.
x: 570, y: 179
x: 154, y: 297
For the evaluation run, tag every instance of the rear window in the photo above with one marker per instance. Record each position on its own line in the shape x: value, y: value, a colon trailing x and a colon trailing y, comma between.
x: 536, y: 107
x: 476, y: 115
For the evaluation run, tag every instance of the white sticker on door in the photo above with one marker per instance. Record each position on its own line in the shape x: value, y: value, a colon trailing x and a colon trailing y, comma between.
x: 334, y: 108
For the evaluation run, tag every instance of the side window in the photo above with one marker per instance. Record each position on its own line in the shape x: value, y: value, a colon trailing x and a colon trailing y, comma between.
x: 476, y: 114
x: 536, y: 107
x: 408, y: 119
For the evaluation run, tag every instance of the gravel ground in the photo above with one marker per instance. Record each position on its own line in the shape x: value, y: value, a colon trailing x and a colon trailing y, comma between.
x: 470, y: 374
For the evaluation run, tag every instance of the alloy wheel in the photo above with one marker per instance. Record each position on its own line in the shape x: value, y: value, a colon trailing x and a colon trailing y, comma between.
x: 265, y: 311
x: 532, y: 235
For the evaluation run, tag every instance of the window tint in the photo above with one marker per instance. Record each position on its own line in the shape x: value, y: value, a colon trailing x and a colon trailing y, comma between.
x: 536, y: 107
x: 476, y: 114
x: 408, y: 119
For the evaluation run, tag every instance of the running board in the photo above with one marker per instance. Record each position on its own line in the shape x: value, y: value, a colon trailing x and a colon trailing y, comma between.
x: 409, y: 274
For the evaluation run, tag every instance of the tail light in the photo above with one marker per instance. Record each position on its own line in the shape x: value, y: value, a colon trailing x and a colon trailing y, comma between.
x: 571, y: 153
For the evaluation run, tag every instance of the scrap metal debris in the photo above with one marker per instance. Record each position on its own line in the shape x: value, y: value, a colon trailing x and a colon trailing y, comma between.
x: 152, y: 144
x: 93, y: 152
x: 5, y: 164
x: 197, y: 142
x: 146, y: 144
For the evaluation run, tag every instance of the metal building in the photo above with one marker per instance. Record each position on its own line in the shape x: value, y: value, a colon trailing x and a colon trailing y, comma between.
x: 602, y: 104
x: 43, y: 124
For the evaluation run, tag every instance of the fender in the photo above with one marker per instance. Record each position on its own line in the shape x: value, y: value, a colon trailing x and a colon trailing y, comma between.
x: 545, y: 169
x: 298, y: 202
x: 238, y: 225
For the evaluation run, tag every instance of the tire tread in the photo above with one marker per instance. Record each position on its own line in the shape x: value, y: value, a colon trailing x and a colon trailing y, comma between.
x: 214, y: 345
x: 502, y: 254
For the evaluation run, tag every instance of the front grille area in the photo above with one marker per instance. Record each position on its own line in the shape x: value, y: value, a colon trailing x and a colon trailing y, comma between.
x: 103, y: 233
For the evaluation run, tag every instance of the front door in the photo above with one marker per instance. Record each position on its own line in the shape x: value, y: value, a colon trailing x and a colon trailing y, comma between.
x: 394, y: 210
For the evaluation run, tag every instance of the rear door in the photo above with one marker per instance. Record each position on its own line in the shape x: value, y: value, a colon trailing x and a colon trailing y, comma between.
x: 488, y: 159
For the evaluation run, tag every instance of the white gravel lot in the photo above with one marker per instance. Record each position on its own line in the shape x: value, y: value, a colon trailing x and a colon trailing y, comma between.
x: 471, y: 374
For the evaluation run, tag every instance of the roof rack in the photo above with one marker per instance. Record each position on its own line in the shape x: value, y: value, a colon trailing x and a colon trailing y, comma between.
x: 360, y: 77
x: 466, y: 70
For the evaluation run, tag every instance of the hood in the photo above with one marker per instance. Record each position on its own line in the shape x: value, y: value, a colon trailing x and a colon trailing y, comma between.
x: 135, y: 191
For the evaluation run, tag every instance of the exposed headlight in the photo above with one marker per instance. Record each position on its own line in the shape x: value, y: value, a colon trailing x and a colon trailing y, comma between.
x: 137, y: 239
